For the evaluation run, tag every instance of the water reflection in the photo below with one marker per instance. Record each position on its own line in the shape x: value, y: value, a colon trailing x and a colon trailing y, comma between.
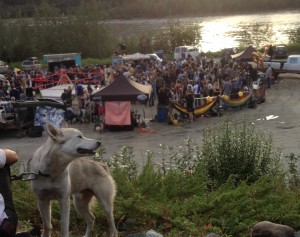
x: 258, y: 29
x: 224, y: 31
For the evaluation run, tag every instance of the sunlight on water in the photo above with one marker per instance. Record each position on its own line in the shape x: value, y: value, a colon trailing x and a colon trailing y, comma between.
x: 223, y: 31
x: 214, y: 35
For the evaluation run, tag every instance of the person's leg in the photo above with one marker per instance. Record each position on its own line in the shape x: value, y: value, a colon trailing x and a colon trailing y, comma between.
x: 269, y: 82
x: 9, y: 225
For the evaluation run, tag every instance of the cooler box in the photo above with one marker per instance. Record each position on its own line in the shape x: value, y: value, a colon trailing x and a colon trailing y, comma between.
x: 162, y: 114
x: 35, y: 131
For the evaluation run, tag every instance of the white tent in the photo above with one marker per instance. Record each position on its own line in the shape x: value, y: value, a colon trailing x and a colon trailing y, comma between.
x: 136, y: 56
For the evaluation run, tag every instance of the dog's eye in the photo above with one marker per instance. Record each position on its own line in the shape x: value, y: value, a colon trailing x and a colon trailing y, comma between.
x: 79, y: 136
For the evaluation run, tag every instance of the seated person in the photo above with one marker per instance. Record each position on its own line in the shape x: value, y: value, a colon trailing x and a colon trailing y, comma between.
x: 70, y: 115
x: 8, y: 215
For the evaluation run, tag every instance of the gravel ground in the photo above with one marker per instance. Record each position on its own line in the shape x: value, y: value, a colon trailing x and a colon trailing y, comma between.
x: 282, y: 100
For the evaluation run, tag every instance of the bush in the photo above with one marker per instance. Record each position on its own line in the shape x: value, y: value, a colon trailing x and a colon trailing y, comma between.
x: 239, y: 152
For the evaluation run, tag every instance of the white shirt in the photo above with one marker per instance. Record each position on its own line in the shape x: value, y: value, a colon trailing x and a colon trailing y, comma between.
x: 196, y: 88
x: 2, y: 206
x: 2, y: 158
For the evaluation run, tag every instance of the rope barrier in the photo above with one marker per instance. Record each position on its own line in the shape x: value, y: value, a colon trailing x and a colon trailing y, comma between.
x: 51, y: 80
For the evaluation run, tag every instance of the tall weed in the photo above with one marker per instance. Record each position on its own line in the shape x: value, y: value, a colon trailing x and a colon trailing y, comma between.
x: 239, y: 151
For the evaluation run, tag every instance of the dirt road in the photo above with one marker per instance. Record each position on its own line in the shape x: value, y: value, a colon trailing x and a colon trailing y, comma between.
x: 282, y: 100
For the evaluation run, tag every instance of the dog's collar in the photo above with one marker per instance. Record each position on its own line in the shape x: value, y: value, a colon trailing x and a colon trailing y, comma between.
x: 42, y: 174
x: 39, y: 173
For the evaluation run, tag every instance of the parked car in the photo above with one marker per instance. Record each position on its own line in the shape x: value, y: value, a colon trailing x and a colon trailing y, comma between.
x: 186, y: 51
x: 161, y: 54
x: 31, y: 64
x: 3, y: 67
x: 154, y: 57
x: 280, y: 52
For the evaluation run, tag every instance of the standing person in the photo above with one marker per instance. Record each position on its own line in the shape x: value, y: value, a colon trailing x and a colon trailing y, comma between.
x: 86, y: 98
x: 197, y: 93
x: 197, y: 89
x: 189, y: 97
x: 79, y: 93
x: 216, y: 88
x: 153, y: 92
x: 64, y: 96
x: 8, y: 215
x: 69, y: 95
x: 268, y: 76
x: 38, y: 94
x: 210, y: 88
x: 227, y: 87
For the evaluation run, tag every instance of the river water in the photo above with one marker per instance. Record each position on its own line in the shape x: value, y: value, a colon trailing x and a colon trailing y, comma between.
x: 218, y: 32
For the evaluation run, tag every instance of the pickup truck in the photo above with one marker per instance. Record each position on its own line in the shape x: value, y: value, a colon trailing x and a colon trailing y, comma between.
x: 292, y: 65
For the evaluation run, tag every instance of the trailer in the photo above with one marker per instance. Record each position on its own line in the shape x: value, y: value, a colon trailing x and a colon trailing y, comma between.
x: 23, y: 115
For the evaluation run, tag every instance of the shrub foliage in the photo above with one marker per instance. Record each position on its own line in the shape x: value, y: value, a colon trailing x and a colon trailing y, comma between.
x: 182, y: 196
x: 238, y: 151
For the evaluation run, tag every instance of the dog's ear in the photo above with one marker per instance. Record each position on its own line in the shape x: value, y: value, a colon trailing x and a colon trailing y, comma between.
x: 55, y: 133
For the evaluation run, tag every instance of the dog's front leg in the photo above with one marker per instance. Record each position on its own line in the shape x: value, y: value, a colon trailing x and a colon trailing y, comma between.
x: 64, y: 204
x: 45, y: 210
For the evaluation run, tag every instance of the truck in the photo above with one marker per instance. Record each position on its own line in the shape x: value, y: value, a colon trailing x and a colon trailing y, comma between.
x: 186, y: 50
x: 292, y: 65
x: 64, y: 59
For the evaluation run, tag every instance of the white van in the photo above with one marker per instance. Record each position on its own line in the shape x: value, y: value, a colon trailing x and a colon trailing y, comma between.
x: 31, y: 64
x: 186, y: 51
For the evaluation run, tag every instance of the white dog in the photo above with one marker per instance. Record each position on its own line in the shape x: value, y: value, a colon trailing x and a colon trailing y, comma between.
x: 62, y: 172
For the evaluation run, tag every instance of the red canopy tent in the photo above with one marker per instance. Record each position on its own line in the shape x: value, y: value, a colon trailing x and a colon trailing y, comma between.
x: 117, y: 98
x: 122, y: 89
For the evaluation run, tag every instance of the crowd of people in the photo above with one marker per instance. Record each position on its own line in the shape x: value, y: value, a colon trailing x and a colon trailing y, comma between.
x: 176, y: 79
x: 188, y: 78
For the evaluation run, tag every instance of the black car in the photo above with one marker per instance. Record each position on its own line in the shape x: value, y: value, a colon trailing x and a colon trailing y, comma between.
x: 280, y: 52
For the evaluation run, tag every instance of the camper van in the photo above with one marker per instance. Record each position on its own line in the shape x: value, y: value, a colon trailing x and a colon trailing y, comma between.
x: 186, y: 51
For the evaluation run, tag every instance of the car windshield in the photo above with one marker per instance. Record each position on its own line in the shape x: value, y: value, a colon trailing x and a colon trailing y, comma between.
x: 281, y: 48
x: 28, y: 63
x: 193, y: 49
